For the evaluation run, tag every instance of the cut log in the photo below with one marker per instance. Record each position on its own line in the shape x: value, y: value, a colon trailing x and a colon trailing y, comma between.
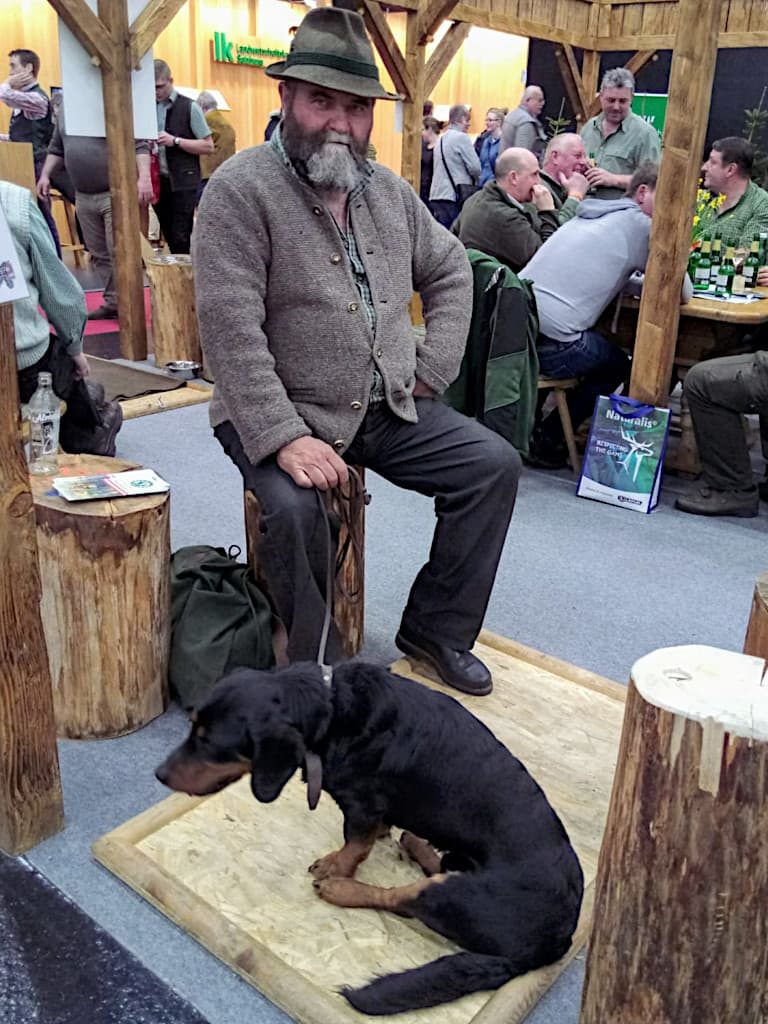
x: 349, y: 587
x: 104, y: 567
x: 31, y: 807
x: 174, y: 316
x: 680, y: 929
x: 756, y: 640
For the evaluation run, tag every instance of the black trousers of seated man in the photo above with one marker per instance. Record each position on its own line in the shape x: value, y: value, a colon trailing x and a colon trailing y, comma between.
x: 470, y: 472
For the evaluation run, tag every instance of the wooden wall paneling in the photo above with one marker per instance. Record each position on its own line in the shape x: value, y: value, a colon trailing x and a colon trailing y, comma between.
x: 737, y: 15
x: 17, y: 164
x: 633, y: 19
x: 723, y: 18
x: 156, y: 16
x: 443, y: 54
x: 758, y: 17
x: 690, y: 88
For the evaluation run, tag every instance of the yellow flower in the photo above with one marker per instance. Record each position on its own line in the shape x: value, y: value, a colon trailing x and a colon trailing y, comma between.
x: 696, y: 220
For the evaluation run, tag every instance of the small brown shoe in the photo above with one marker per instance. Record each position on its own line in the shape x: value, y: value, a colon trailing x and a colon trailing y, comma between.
x: 707, y: 501
x: 103, y: 313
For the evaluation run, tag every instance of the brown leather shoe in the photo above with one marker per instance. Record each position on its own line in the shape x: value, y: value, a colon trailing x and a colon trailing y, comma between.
x: 103, y: 313
x: 707, y: 501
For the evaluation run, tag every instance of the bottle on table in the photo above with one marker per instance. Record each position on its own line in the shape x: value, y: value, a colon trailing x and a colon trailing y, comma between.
x: 717, y: 256
x: 726, y: 272
x: 693, y: 262
x: 44, y: 414
x: 703, y: 266
x: 763, y: 254
x: 752, y: 263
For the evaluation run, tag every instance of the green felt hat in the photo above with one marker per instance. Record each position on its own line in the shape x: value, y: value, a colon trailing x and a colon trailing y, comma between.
x: 331, y: 49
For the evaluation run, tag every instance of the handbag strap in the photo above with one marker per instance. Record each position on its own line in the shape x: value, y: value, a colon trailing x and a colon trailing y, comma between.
x: 450, y: 176
x: 631, y: 408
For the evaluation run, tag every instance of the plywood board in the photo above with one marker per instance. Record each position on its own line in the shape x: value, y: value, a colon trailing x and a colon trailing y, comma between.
x: 233, y: 872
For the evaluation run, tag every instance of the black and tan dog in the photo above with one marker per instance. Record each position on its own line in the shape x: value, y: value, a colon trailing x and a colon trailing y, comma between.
x: 508, y: 885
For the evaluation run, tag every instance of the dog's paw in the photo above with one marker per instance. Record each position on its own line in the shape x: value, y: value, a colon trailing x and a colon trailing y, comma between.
x: 342, y: 892
x: 326, y: 867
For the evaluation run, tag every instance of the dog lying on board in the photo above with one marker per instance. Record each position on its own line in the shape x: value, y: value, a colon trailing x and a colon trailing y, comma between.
x: 391, y: 752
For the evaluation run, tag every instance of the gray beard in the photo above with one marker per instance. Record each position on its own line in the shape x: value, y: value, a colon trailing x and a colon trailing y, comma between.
x: 334, y: 166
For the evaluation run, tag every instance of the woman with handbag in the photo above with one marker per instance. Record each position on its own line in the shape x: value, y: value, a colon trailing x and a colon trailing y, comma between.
x: 456, y: 170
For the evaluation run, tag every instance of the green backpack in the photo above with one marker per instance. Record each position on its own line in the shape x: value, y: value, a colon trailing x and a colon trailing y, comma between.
x: 220, y: 621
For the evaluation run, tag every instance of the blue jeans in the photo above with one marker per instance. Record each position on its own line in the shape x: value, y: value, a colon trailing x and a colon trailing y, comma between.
x: 600, y: 365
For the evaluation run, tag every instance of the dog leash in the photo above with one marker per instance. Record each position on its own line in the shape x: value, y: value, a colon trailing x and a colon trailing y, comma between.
x: 350, y: 504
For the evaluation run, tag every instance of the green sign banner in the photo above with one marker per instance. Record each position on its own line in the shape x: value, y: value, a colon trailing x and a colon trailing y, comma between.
x: 245, y: 50
x: 652, y: 107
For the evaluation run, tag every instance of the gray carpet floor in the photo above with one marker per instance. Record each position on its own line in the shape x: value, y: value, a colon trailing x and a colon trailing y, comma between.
x: 595, y: 585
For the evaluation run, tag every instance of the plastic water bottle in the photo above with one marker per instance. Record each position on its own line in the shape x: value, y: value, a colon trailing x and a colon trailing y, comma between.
x: 44, y: 414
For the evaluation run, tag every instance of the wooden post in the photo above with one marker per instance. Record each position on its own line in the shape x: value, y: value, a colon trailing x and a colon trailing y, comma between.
x: 590, y: 76
x: 680, y: 927
x: 118, y: 116
x: 415, y: 57
x: 31, y: 806
x: 692, y: 74
x: 756, y: 640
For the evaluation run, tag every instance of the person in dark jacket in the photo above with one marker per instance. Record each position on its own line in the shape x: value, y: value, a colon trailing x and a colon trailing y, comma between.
x: 495, y: 219
x: 430, y: 133
x: 183, y: 137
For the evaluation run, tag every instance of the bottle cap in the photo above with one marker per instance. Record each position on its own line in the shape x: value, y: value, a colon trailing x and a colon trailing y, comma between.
x: 44, y: 379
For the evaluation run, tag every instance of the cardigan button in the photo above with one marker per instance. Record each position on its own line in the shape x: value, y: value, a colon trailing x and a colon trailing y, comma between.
x: 379, y: 353
x: 353, y: 307
x: 338, y: 445
x: 317, y: 210
x: 356, y: 405
x: 335, y: 258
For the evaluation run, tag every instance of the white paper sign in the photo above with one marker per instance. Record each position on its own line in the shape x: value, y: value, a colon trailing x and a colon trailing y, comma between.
x: 12, y: 283
x: 81, y: 81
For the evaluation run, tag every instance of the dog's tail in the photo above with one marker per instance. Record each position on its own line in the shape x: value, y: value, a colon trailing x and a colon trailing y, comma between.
x: 441, y: 981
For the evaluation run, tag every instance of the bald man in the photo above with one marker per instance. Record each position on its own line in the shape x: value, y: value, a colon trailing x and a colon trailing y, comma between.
x: 511, y: 217
x: 522, y: 127
x: 565, y: 163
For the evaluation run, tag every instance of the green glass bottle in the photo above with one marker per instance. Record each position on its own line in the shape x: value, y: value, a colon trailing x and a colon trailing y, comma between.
x: 726, y: 272
x: 703, y: 266
x: 763, y: 248
x: 717, y: 256
x: 693, y: 262
x: 752, y: 263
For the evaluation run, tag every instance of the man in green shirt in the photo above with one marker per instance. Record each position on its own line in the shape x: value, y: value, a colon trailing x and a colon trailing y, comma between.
x: 744, y: 212
x: 617, y: 140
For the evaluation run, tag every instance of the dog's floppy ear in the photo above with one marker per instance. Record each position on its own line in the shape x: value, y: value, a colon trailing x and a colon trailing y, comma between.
x: 275, y: 758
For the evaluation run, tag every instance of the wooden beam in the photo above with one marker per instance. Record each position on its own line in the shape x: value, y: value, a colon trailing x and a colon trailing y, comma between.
x: 415, y: 55
x: 118, y: 115
x: 690, y: 89
x: 590, y: 75
x: 524, y: 27
x: 388, y: 50
x: 31, y: 807
x: 444, y: 53
x: 156, y: 16
x: 89, y: 31
x: 434, y: 14
x: 571, y: 76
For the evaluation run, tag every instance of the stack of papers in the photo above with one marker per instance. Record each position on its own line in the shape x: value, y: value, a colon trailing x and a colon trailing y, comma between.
x: 131, y: 484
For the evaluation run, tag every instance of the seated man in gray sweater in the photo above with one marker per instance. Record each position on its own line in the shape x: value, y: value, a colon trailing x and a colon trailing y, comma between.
x: 306, y: 259
x: 575, y: 275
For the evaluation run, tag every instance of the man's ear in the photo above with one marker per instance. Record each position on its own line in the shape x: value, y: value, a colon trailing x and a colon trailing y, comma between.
x: 275, y: 759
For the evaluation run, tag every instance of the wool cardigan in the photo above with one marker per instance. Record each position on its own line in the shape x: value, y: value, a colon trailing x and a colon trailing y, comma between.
x: 281, y: 319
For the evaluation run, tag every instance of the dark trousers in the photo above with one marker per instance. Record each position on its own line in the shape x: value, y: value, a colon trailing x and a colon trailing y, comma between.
x: 719, y: 391
x: 176, y: 213
x: 470, y: 472
x: 445, y: 211
x: 45, y: 208
x: 600, y: 365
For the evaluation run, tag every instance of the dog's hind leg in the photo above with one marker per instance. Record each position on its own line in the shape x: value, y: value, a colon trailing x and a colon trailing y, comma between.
x: 422, y: 852
x: 346, y: 892
x: 344, y: 863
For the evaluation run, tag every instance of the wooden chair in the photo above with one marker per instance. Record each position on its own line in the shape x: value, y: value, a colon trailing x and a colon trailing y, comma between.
x: 67, y: 225
x: 559, y: 387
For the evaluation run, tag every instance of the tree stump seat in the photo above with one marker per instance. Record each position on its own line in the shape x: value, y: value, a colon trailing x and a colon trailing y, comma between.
x: 104, y: 570
x: 175, y: 333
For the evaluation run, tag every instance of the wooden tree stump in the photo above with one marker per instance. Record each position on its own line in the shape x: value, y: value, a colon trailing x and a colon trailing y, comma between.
x: 756, y: 640
x: 104, y: 567
x: 680, y: 927
x: 174, y: 316
x: 349, y: 589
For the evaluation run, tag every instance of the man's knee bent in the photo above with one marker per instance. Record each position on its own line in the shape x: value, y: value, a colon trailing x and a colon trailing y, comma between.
x: 498, y: 461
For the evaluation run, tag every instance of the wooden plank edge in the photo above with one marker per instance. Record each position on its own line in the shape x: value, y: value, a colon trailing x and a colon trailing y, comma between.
x: 521, y: 994
x: 558, y: 667
x: 154, y: 818
x: 146, y: 405
x: 241, y: 952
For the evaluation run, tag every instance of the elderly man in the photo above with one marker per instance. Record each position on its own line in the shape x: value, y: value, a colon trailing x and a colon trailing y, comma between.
x: 183, y: 136
x: 617, y: 141
x: 304, y: 316
x: 522, y: 127
x: 565, y: 163
x: 497, y: 222
x: 602, y: 246
x: 727, y: 172
x: 222, y: 134
x: 456, y: 168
